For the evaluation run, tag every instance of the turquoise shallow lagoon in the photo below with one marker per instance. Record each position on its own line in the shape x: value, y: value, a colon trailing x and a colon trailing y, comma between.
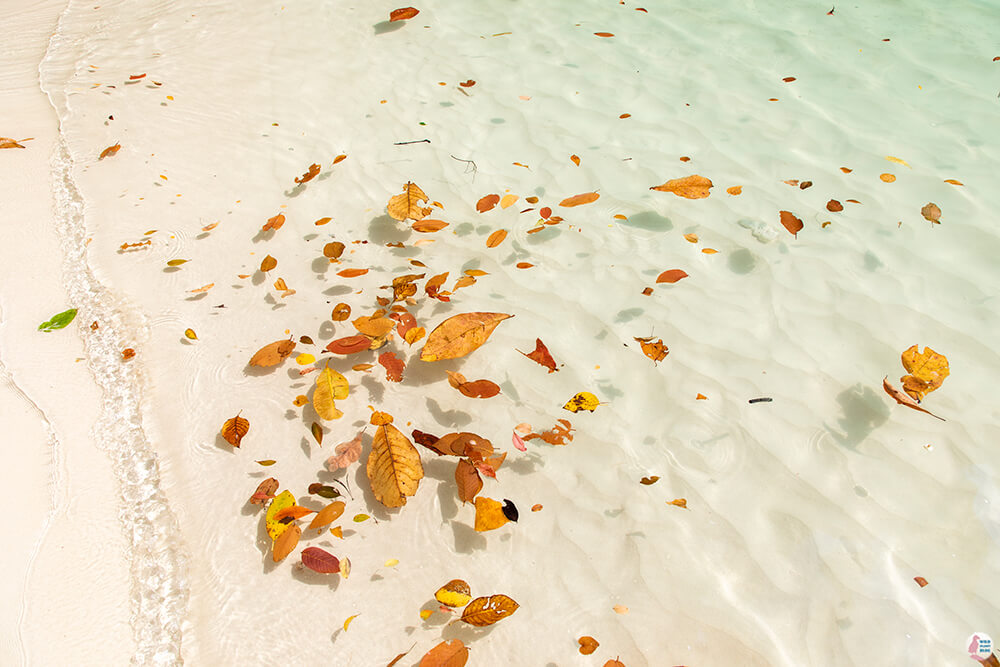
x: 807, y: 516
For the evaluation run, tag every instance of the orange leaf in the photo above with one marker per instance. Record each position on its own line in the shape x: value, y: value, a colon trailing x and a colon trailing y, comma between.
x: 579, y: 200
x: 479, y: 389
x: 588, y: 644
x: 327, y: 515
x: 489, y: 515
x: 272, y: 353
x: 487, y: 203
x: 671, y: 276
x: 656, y: 351
x: 791, y: 223
x: 524, y: 265
x: 403, y: 13
x: 541, y: 356
x: 107, y: 152
x: 693, y: 238
x: 904, y: 399
x: 701, y: 397
x: 920, y: 581
x: 349, y: 345
x: 393, y: 366
x: 352, y: 273
x: 428, y: 226
x: 295, y: 512
x: 450, y: 653
x: 605, y: 34
x: 953, y: 181
x: 433, y: 287
x: 407, y: 204
x: 689, y: 187
x: 265, y: 490
x: 268, y: 263
x: 286, y: 543
x: 496, y: 238
x: 274, y: 223
x: 735, y: 190
x: 234, y: 429
x: 507, y: 201
x: 322, y: 221
x: 487, y: 611
x: 575, y: 159
x: 679, y: 502
x: 309, y: 175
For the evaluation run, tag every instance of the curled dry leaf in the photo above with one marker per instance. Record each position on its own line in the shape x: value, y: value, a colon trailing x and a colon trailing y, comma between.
x: 272, y: 353
x: 791, y: 223
x: 579, y: 200
x: 340, y: 312
x: 286, y: 543
x: 671, y: 276
x: 588, y: 644
x: 321, y: 561
x: 904, y: 399
x: 456, y: 593
x: 330, y: 385
x: 265, y: 491
x: 450, y: 653
x: 931, y: 213
x: 927, y: 370
x: 541, y: 356
x: 407, y: 204
x: 689, y: 187
x: 333, y: 250
x: 488, y: 610
x: 652, y: 479
x: 428, y: 226
x: 403, y: 13
x: 434, y: 285
x: 459, y: 335
x: 489, y: 514
x: 309, y: 175
x: 234, y: 429
x: 560, y: 434
x: 468, y: 480
x: 110, y: 151
x: 394, y: 467
x: 346, y: 453
x: 834, y: 206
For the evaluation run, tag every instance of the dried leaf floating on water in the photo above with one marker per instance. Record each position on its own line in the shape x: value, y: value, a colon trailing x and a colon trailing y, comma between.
x: 320, y: 561
x: 582, y: 401
x: 587, y: 644
x: 272, y: 353
x: 274, y: 223
x: 274, y: 527
x: 407, y: 204
x: 403, y: 13
x: 394, y: 468
x: 485, y: 611
x: 580, y: 200
x: 428, y: 226
x: 330, y: 385
x: 671, y: 276
x: 265, y: 491
x: 791, y: 223
x: 309, y: 175
x: 931, y: 213
x: 7, y: 142
x: 468, y: 481
x: 456, y: 593
x: 349, y: 345
x: 541, y: 355
x: 656, y: 351
x: 459, y: 335
x: 449, y: 653
x: 689, y: 187
x: 393, y: 366
x: 927, y: 370
x: 496, y: 238
x: 327, y: 515
x: 345, y: 453
x: 268, y: 263
x: 234, y: 429
x: 110, y: 151
x: 286, y: 543
x: 487, y: 203
x: 489, y: 514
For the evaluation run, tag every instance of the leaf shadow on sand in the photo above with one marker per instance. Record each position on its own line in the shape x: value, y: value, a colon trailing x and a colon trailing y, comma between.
x: 862, y: 410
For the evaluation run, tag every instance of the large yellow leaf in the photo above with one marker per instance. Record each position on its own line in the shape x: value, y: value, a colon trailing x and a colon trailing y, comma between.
x: 394, y: 467
x: 927, y: 370
x: 407, y: 204
x: 330, y: 385
x: 275, y: 528
x: 489, y: 514
x: 459, y: 335
x: 487, y: 611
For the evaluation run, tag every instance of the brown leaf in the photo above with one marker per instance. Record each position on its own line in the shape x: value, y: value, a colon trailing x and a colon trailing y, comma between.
x: 920, y: 581
x: 904, y: 399
x: 487, y: 203
x: 671, y: 276
x: 579, y: 200
x: 333, y: 250
x: 272, y: 353
x: 346, y: 453
x: 394, y: 467
x: 588, y: 644
x: 575, y: 159
x: 309, y: 175
x: 487, y: 611
x: 931, y: 213
x: 286, y: 543
x: 791, y: 223
x: 274, y: 223
x: 834, y: 206
x: 496, y: 238
x: 322, y: 221
x: 393, y: 366
x: 340, y: 312
x: 560, y: 434
x: 234, y: 429
x: 468, y: 480
x: 456, y: 593
x: 407, y: 204
x: 349, y: 345
x: 689, y: 187
x: 268, y: 263
x: 462, y: 444
x: 265, y: 490
x: 541, y: 356
x: 428, y: 226
x: 110, y: 151
x: 652, y: 479
x: 403, y: 13
x: 450, y: 653
x: 459, y: 335
x: 479, y: 389
x: 321, y: 561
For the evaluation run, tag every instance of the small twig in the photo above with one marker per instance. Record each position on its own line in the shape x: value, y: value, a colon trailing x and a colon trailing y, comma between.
x: 475, y: 169
x: 418, y: 141
x: 347, y: 488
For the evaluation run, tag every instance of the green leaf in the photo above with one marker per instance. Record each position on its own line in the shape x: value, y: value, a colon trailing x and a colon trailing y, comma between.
x: 59, y: 321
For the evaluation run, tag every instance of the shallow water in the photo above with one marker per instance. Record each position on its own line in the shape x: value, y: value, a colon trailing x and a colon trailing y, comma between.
x: 807, y: 517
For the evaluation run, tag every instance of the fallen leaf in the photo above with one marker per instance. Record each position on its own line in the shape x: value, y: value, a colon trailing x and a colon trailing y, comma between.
x: 268, y: 263
x: 286, y: 543
x: 489, y: 514
x: 560, y: 434
x: 374, y: 326
x: 701, y: 397
x: 920, y: 581
x: 689, y: 187
x: 791, y: 223
x: 678, y: 502
x: 393, y: 366
x: 352, y: 273
x: 324, y: 491
x: 524, y: 265
x: 349, y: 345
x: 281, y: 501
x: 348, y: 621
x: 468, y: 480
x: 128, y: 353
x: 536, y: 508
x: 340, y: 312
x: 339, y: 158
x: 541, y: 356
x: 449, y: 653
x: 620, y: 609
x: 927, y: 370
x: 7, y: 142
x: 265, y: 490
x: 952, y: 181
x: 579, y: 200
x: 272, y: 353
x: 234, y: 429
x: 407, y: 204
x: 656, y: 351
x: 671, y: 276
x: 433, y: 287
x: 401, y: 15
x: 735, y: 190
x: 887, y: 178
x: 693, y: 238
x: 337, y: 532
x: 413, y: 335
x: 488, y: 610
x: 394, y: 467
x: 834, y: 206
x: 58, y: 321
x: 518, y: 442
x: 456, y: 593
x: 294, y: 512
x: 428, y: 226
x: 267, y: 462
x: 176, y: 262
x: 496, y: 238
x: 459, y: 335
x: 346, y: 453
x: 274, y: 223
x: 487, y: 203
x: 614, y: 663
x: 321, y: 561
x: 327, y: 515
x: 588, y: 644
x: 652, y: 479
x: 931, y: 213
x: 110, y: 151
x: 605, y: 34
x: 317, y: 432
x: 360, y: 518
x: 467, y: 84
x: 897, y: 160
x: 333, y: 250
x: 330, y: 386
x: 309, y: 175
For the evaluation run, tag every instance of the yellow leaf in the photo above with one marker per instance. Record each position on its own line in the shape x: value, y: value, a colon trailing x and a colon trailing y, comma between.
x: 425, y: 614
x: 268, y: 263
x: 927, y: 370
x: 953, y: 181
x: 305, y: 359
x: 487, y: 611
x: 407, y: 204
x: 456, y: 593
x: 348, y: 621
x: 679, y: 502
x: 582, y: 401
x: 392, y: 562
x: 360, y: 518
x: 507, y: 201
x: 394, y: 467
x: 285, y: 543
x: 459, y: 335
x: 300, y: 400
x: 190, y: 334
x: 413, y: 335
x: 489, y: 514
x: 275, y: 528
x: 337, y: 531
x: 176, y: 262
x: 330, y: 385
x: 234, y: 429
x: 374, y: 327
x: 897, y: 160
x: 689, y: 187
x: 693, y: 238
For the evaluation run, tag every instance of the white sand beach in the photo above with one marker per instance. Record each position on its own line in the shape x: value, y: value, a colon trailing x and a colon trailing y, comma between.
x: 799, y: 524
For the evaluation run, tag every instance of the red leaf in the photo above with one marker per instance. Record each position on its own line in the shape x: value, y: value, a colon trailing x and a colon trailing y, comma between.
x: 905, y: 399
x: 541, y: 355
x: 468, y: 480
x: 393, y: 366
x: 321, y: 561
x: 791, y: 223
x: 671, y: 276
x: 403, y: 13
x: 487, y: 203
x: 349, y: 345
x: 479, y: 389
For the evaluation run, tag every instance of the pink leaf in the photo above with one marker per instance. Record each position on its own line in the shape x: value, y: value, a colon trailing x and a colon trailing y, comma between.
x: 346, y: 454
x: 518, y: 442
